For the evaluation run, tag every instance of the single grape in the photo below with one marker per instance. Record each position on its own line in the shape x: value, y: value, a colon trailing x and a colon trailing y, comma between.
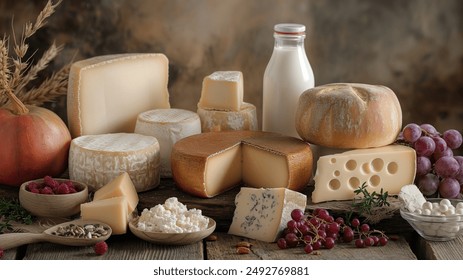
x: 382, y: 241
x: 304, y: 229
x: 308, y: 248
x: 321, y: 234
x: 333, y: 227
x: 297, y: 215
x: 329, y: 219
x: 430, y: 129
x: 441, y: 145
x: 446, y: 153
x: 447, y: 167
x: 411, y: 132
x: 340, y: 220
x: 375, y: 240
x: 292, y: 224
x: 368, y: 241
x: 459, y: 175
x: 307, y: 239
x: 314, y: 221
x: 364, y: 228
x: 449, y: 188
x: 348, y: 234
x: 355, y: 222
x: 428, y: 184
x: 323, y: 214
x: 423, y: 166
x: 425, y: 146
x: 329, y: 243
x: 317, y: 245
x: 359, y: 243
x: 453, y: 138
x: 281, y: 242
x: 333, y: 235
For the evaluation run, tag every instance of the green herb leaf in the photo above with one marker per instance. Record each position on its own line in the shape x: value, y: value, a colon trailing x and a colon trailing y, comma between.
x: 11, y: 211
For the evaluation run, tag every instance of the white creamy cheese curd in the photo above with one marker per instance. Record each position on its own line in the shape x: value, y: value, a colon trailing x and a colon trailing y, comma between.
x: 172, y: 217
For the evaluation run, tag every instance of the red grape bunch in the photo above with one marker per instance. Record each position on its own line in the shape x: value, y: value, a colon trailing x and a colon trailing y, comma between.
x: 438, y: 171
x: 319, y: 230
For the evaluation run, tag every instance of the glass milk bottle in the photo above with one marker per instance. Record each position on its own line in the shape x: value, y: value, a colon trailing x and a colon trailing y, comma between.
x: 287, y: 76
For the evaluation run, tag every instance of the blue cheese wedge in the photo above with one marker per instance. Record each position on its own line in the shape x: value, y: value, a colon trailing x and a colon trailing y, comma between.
x: 262, y: 214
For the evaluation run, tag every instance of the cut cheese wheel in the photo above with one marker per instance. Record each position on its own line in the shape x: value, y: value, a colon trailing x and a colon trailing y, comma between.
x: 96, y: 160
x: 263, y: 214
x: 277, y: 162
x: 349, y: 116
x: 216, y: 120
x: 222, y: 90
x: 112, y: 211
x: 388, y: 168
x: 121, y: 186
x: 168, y: 126
x: 106, y: 93
x: 209, y: 164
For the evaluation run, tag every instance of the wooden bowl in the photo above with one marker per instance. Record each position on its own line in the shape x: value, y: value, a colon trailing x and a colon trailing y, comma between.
x: 172, y: 238
x: 53, y: 205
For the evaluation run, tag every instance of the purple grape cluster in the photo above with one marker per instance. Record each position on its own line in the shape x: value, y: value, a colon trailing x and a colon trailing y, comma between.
x: 438, y: 171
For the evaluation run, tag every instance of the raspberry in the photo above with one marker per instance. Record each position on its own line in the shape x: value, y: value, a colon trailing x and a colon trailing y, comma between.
x: 1, y: 253
x: 62, y: 189
x: 32, y: 185
x: 46, y: 190
x: 101, y: 248
x: 49, y: 181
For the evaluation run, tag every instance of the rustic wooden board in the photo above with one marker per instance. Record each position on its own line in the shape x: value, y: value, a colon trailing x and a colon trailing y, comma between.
x: 126, y: 247
x: 225, y: 249
x: 11, y: 254
x: 447, y: 250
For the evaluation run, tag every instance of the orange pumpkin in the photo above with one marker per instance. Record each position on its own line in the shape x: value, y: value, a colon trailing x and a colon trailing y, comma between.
x: 34, y: 142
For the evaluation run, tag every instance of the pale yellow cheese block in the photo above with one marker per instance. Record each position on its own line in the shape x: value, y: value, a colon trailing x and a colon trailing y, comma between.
x: 262, y: 214
x: 208, y: 164
x: 222, y: 90
x: 122, y: 185
x: 106, y: 93
x: 97, y: 159
x: 218, y: 120
x: 112, y: 211
x: 168, y: 126
x: 339, y: 175
x: 276, y: 162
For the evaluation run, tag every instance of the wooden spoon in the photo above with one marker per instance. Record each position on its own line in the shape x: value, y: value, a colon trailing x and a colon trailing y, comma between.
x: 11, y: 240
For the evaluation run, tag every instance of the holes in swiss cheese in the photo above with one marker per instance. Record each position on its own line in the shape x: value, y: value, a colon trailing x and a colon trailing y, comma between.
x: 392, y: 167
x: 334, y: 184
x: 351, y: 165
x: 374, y: 181
x: 354, y: 183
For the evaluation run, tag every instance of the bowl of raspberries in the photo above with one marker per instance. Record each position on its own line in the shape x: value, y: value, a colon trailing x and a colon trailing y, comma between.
x: 53, y: 197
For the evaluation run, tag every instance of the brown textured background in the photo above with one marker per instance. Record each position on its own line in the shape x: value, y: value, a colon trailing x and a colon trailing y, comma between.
x: 415, y: 47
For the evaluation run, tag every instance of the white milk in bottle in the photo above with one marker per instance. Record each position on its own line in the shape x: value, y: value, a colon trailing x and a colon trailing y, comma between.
x: 287, y: 76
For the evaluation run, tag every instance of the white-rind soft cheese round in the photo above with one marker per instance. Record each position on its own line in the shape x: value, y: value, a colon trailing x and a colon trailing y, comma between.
x: 349, y: 116
x: 168, y: 126
x: 95, y: 160
x: 217, y: 120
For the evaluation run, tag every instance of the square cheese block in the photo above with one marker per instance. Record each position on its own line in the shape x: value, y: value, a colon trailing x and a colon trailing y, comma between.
x: 388, y: 168
x: 168, y: 126
x: 211, y: 163
x: 218, y: 120
x: 112, y: 211
x: 222, y: 90
x: 106, y: 93
x: 96, y: 160
x: 263, y: 214
x: 121, y: 186
x: 276, y: 162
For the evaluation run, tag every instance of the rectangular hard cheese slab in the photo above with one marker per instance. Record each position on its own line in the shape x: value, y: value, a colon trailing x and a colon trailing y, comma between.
x: 122, y: 185
x: 106, y: 93
x: 262, y: 213
x: 222, y: 90
x: 112, y: 211
x: 388, y: 168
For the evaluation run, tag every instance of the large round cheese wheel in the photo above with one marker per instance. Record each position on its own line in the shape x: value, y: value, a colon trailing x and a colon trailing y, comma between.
x: 96, y: 160
x: 349, y: 115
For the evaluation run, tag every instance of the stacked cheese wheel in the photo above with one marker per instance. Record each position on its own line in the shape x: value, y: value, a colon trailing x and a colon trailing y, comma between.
x: 364, y: 120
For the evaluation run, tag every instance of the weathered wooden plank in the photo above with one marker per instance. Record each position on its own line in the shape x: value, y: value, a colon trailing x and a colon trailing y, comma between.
x: 445, y: 250
x: 126, y: 247
x: 11, y: 254
x: 225, y: 249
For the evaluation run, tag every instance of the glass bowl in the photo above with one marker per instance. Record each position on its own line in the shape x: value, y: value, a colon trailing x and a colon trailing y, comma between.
x: 433, y: 227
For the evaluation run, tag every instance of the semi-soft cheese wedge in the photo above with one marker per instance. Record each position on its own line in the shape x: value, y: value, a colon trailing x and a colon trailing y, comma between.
x: 106, y: 93
x: 121, y: 186
x: 263, y: 214
x: 388, y: 168
x: 222, y: 90
x: 276, y: 162
x: 218, y: 120
x: 112, y: 211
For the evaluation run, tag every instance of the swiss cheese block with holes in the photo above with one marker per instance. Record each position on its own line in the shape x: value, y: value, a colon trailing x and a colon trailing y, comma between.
x: 389, y: 168
x: 106, y: 93
x: 222, y: 90
x: 218, y: 120
x: 276, y: 162
x: 263, y: 213
x: 96, y: 160
x: 209, y: 164
x: 168, y: 126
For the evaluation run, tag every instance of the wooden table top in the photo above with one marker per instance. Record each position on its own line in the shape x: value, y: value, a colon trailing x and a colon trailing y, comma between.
x: 407, y: 245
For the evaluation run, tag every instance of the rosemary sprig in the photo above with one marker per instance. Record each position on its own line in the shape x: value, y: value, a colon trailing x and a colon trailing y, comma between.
x: 11, y: 211
x: 365, y: 202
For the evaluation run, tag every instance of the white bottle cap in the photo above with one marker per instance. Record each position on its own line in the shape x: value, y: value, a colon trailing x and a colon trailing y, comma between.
x: 290, y: 28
